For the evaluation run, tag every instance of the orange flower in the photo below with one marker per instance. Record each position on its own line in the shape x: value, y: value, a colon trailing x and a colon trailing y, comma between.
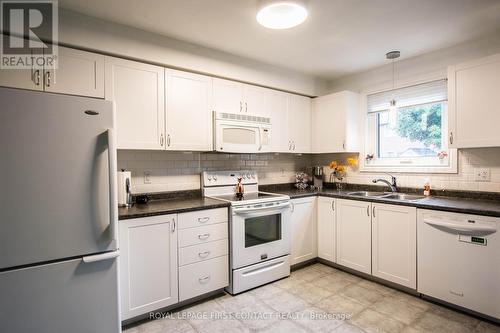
x: 351, y: 161
x: 340, y: 168
x: 333, y: 164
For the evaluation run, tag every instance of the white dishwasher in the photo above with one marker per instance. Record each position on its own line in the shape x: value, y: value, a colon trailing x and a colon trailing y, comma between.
x: 458, y: 258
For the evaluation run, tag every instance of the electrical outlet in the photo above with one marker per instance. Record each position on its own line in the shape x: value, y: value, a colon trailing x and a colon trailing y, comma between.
x: 147, y: 177
x: 481, y: 175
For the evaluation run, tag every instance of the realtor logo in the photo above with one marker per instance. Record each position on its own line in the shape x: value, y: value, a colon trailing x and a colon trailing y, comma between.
x: 26, y: 26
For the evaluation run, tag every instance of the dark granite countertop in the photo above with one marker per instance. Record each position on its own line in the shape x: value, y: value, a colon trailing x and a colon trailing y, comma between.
x: 169, y: 206
x: 487, y: 204
x: 485, y: 207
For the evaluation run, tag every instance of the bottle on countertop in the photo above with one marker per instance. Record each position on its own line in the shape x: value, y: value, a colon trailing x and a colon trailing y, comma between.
x: 239, y: 189
x: 427, y: 188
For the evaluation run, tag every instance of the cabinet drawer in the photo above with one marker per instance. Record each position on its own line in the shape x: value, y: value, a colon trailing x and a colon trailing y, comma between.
x: 203, y: 217
x: 191, y: 254
x: 203, y: 277
x: 205, y: 234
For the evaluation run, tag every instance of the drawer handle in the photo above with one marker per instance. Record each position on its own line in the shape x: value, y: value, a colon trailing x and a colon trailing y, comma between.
x: 203, y: 219
x: 204, y: 279
x: 204, y: 254
x: 204, y: 236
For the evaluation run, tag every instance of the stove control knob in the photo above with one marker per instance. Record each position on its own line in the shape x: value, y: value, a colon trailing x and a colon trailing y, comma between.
x: 253, y: 175
x: 209, y: 177
x: 243, y: 176
x: 215, y: 177
x: 248, y: 175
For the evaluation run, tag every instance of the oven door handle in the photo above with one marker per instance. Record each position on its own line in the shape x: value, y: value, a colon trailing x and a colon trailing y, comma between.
x: 277, y: 208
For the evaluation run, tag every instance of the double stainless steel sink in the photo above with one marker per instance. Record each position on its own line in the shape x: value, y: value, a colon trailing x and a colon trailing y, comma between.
x: 387, y: 195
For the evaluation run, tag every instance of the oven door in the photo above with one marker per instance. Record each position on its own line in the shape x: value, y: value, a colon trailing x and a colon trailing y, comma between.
x: 259, y: 234
x: 237, y: 137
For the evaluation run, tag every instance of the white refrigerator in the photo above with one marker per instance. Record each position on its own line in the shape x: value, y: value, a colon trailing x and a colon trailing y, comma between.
x: 58, y: 214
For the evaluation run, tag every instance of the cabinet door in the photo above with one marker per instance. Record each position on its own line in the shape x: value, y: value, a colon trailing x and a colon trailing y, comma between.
x: 227, y: 96
x: 22, y: 78
x: 394, y: 244
x: 78, y: 73
x: 326, y: 228
x: 354, y: 235
x: 299, y: 120
x: 304, y: 235
x: 336, y: 123
x: 138, y: 92
x: 278, y: 111
x: 188, y: 114
x: 474, y: 103
x: 148, y: 264
x: 256, y: 100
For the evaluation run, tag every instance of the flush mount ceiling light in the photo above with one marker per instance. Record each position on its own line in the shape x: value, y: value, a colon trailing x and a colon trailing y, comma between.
x: 281, y: 14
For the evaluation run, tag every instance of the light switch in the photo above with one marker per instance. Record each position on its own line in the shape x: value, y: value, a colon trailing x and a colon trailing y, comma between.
x: 481, y: 175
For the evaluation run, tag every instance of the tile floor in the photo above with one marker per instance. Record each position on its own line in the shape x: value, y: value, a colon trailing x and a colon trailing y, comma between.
x: 317, y: 298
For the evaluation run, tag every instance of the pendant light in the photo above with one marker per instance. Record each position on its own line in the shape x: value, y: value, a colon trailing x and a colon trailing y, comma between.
x: 393, y: 110
x: 281, y: 14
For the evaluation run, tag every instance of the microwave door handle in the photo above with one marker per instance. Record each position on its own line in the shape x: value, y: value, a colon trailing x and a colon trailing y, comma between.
x: 260, y: 138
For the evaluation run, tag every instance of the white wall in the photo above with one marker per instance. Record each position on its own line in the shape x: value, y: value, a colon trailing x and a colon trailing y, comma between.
x: 424, y: 67
x: 421, y: 68
x: 98, y: 35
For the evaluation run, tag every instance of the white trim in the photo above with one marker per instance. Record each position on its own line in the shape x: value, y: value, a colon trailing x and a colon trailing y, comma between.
x: 452, y: 167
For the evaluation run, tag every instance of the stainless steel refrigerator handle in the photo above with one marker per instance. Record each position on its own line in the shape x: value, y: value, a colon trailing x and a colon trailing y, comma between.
x: 113, y: 187
x: 101, y: 257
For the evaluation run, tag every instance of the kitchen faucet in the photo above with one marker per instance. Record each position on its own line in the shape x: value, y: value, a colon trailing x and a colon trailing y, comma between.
x: 393, y: 185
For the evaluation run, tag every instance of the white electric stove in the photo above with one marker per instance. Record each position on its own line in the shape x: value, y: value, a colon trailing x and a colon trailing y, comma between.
x: 259, y: 229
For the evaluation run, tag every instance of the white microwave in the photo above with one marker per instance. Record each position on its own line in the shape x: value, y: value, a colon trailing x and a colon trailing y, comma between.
x: 241, y: 133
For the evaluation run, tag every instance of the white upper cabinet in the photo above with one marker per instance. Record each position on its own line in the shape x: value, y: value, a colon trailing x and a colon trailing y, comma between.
x: 394, y: 244
x: 188, y: 111
x: 299, y: 120
x: 354, y: 235
x: 138, y: 92
x: 277, y: 104
x: 256, y: 100
x: 22, y: 78
x: 227, y: 96
x: 78, y: 73
x: 474, y: 103
x: 326, y: 228
x: 304, y: 235
x: 335, y: 123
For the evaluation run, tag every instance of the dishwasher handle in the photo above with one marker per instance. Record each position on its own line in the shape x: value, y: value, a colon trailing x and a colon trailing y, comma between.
x: 461, y: 229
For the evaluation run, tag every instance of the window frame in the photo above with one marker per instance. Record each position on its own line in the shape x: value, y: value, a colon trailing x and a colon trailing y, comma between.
x: 400, y: 165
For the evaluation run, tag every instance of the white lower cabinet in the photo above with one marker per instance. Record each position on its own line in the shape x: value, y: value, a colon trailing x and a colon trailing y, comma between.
x: 354, y: 235
x: 304, y: 235
x: 326, y: 228
x: 203, y: 277
x: 148, y: 264
x: 203, y: 252
x: 394, y: 244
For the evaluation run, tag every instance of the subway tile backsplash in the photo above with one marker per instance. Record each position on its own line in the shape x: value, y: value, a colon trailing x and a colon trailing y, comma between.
x: 174, y: 171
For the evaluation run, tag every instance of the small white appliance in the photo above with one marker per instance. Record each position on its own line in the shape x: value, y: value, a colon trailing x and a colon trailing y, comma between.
x: 458, y: 259
x: 124, y: 188
x: 259, y: 229
x: 241, y: 133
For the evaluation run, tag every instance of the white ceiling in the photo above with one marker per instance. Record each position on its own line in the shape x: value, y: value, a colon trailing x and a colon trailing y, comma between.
x: 340, y: 37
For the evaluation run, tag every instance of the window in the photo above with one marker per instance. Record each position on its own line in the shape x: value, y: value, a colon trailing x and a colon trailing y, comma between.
x: 407, y: 130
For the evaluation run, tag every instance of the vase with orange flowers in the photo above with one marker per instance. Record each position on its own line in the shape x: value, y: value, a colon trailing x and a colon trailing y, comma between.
x: 339, y: 172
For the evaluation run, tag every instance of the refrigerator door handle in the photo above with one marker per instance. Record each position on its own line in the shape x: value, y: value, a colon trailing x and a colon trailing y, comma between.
x: 113, y: 187
x: 101, y: 257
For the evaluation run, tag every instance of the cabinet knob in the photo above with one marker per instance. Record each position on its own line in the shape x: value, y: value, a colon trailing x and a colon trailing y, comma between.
x: 203, y: 219
x: 203, y: 236
x: 36, y: 77
x: 161, y: 140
